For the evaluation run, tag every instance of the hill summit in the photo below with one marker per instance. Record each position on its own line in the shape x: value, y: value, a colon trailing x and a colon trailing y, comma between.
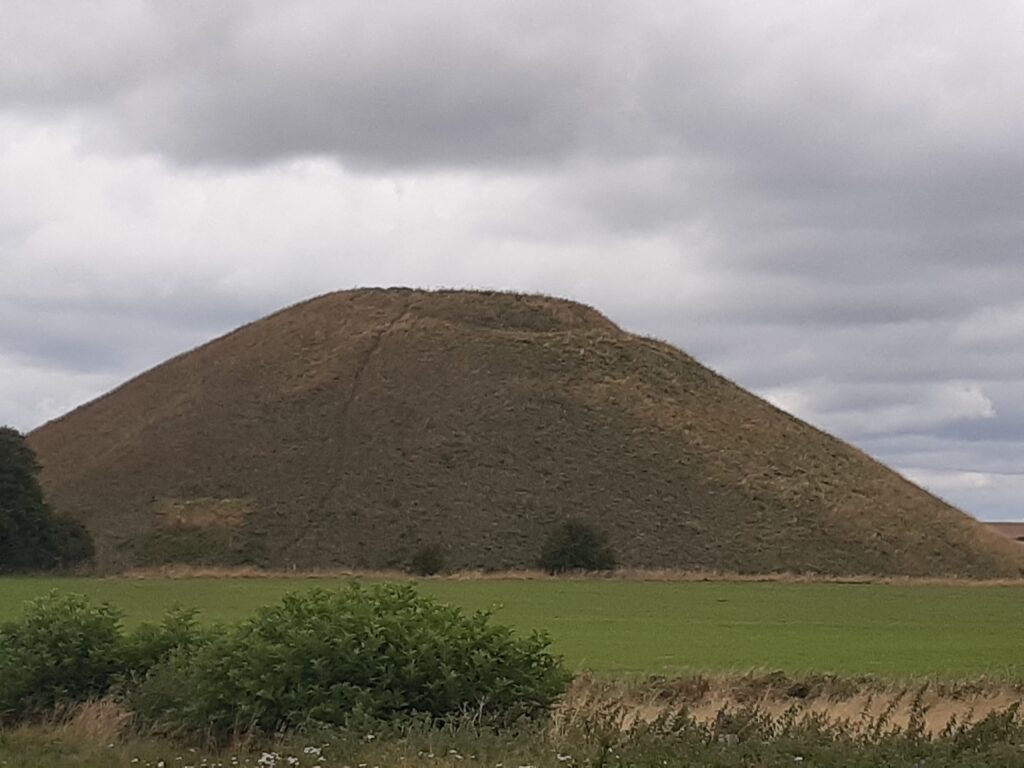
x: 357, y: 428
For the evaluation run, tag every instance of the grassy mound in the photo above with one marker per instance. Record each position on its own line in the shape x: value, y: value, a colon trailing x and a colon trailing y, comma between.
x: 359, y: 428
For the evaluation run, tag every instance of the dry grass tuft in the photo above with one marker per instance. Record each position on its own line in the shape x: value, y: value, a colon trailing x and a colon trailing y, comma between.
x: 100, y: 721
x: 859, y: 703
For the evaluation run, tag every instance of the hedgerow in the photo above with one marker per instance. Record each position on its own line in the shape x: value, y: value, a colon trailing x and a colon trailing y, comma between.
x: 318, y: 657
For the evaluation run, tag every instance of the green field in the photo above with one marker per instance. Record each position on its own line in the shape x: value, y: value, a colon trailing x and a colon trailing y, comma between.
x: 666, y: 628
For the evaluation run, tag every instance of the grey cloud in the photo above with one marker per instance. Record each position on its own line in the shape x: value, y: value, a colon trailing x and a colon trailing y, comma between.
x: 800, y: 102
x: 775, y: 120
x: 820, y: 199
x: 122, y: 333
x: 93, y: 342
x: 1000, y: 436
x: 402, y: 84
x: 999, y: 503
x: 767, y: 356
x: 50, y: 60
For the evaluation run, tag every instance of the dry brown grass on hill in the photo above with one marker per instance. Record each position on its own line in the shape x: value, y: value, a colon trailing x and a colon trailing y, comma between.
x: 351, y: 430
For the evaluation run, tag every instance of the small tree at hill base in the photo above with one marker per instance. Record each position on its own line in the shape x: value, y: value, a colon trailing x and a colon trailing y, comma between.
x: 427, y: 561
x: 576, y: 546
x: 31, y: 536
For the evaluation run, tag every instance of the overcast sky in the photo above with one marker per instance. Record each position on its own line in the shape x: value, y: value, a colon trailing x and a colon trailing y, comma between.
x: 822, y: 200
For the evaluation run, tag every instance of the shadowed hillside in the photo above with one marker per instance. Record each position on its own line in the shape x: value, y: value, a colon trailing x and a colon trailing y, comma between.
x: 356, y: 428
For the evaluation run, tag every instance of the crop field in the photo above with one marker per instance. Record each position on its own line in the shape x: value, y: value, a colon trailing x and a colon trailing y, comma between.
x: 636, y: 628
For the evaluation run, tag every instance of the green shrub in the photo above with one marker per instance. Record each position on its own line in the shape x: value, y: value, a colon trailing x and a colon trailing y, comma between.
x: 333, y: 657
x: 62, y: 651
x: 427, y: 560
x: 576, y: 546
x: 152, y: 644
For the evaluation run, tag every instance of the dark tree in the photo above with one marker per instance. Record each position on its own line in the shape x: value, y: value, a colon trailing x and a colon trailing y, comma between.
x: 31, y: 536
x: 576, y: 546
x: 427, y: 561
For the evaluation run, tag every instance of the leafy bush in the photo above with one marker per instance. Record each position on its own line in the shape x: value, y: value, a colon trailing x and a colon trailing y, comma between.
x: 576, y: 546
x: 334, y: 656
x: 62, y: 651
x: 152, y: 644
x: 427, y: 560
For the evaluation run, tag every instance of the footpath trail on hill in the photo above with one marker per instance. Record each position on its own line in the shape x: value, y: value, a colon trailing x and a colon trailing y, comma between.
x: 357, y: 428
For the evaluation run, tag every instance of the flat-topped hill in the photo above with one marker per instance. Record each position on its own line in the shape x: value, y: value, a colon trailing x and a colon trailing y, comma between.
x: 354, y: 429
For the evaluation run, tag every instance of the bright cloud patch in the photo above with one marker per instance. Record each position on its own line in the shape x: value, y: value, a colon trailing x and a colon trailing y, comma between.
x: 920, y: 407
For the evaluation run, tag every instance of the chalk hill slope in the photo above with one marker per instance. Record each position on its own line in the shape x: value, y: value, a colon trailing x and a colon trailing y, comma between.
x: 358, y: 427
